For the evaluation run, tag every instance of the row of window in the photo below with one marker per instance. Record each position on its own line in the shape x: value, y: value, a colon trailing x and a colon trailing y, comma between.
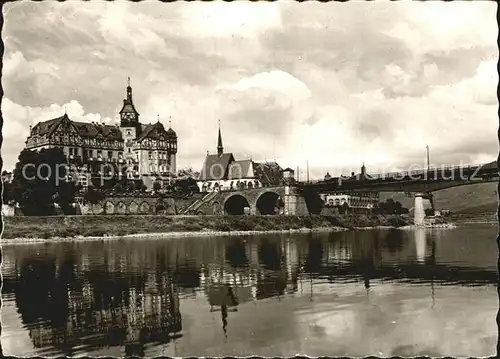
x: 102, y: 154
x: 160, y: 155
x: 163, y: 168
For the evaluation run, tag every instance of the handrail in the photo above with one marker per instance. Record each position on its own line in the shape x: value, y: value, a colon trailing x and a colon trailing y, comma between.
x: 200, y: 201
x: 393, y: 175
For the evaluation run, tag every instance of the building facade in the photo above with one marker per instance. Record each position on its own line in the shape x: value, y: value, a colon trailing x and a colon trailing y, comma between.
x: 221, y: 172
x: 362, y: 200
x: 130, y: 148
x: 359, y: 201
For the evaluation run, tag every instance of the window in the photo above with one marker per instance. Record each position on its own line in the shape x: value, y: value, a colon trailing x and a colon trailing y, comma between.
x: 128, y: 150
x: 110, y: 154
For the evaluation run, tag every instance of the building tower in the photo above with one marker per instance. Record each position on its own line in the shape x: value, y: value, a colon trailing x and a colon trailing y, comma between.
x: 220, y: 148
x: 129, y: 126
x: 172, y: 148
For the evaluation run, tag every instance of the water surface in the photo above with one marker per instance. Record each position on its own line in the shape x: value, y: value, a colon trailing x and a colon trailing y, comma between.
x: 386, y: 292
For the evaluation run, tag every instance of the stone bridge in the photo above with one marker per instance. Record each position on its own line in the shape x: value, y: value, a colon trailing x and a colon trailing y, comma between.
x: 263, y: 201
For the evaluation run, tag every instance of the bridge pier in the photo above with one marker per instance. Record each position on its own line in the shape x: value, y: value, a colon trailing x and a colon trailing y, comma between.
x: 419, y: 209
x: 294, y: 204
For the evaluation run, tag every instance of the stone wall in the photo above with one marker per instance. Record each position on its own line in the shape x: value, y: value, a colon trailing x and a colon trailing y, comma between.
x: 138, y: 205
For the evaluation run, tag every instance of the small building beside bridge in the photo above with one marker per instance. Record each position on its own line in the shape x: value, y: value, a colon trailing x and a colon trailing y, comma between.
x: 359, y: 201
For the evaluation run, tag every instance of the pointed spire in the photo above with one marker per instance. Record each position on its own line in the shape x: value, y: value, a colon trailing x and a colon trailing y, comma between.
x: 220, y: 148
x: 158, y: 118
x: 169, y: 121
x: 129, y: 91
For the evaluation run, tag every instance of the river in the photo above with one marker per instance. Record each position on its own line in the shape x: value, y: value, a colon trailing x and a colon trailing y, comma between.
x: 372, y: 292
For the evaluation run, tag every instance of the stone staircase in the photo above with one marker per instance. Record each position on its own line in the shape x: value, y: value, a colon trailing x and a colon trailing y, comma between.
x: 197, y: 204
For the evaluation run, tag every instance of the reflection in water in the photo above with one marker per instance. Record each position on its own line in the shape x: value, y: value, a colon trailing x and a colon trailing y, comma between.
x: 420, y: 243
x: 85, y: 297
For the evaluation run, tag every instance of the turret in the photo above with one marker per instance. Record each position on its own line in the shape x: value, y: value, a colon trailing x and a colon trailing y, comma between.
x: 129, y: 117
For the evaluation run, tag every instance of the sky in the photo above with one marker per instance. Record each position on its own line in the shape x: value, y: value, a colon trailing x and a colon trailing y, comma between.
x: 331, y: 84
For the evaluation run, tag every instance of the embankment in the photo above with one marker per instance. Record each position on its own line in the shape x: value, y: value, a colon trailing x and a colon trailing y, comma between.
x: 121, y: 225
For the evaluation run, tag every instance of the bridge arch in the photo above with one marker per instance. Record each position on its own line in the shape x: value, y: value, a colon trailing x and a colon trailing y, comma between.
x: 235, y: 204
x: 121, y: 208
x: 267, y: 203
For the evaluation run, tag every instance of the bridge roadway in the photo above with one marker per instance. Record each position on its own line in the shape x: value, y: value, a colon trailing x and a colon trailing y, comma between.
x: 425, y: 181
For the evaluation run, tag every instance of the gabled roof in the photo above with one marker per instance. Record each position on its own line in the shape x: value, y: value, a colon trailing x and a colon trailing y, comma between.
x: 155, y: 131
x: 216, y: 167
x: 84, y: 129
x: 241, y: 169
x: 47, y: 127
x: 171, y: 133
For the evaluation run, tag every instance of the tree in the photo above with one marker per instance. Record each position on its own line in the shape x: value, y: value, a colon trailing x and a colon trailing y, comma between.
x: 390, y: 207
x: 344, y: 208
x: 156, y: 186
x: 93, y: 195
x: 188, y: 172
x: 184, y: 186
x: 65, y: 196
x: 38, y: 178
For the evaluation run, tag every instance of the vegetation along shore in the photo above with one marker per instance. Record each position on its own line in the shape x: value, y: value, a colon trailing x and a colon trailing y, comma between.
x: 81, y: 227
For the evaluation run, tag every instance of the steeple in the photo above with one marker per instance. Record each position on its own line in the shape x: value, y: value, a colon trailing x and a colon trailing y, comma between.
x: 363, y: 169
x: 128, y: 114
x: 129, y: 90
x: 220, y: 149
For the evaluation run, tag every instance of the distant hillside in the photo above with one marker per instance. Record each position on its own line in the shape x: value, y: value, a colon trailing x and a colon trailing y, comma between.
x: 470, y: 199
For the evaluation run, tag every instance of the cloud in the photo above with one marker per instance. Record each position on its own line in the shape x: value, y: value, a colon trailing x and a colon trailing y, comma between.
x: 332, y: 83
x: 230, y: 19
x: 18, y: 119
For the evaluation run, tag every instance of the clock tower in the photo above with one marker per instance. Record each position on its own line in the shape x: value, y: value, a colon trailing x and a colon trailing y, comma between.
x: 130, y: 127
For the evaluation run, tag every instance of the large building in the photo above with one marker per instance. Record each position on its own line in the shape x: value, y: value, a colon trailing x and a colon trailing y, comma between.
x: 130, y: 148
x: 221, y: 172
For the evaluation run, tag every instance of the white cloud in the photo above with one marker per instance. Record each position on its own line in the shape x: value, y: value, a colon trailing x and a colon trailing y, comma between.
x: 15, y: 64
x: 430, y: 27
x: 278, y: 81
x: 336, y: 84
x: 230, y: 18
x: 18, y: 119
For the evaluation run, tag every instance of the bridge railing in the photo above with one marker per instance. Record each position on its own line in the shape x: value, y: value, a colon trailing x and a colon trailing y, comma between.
x: 418, y: 174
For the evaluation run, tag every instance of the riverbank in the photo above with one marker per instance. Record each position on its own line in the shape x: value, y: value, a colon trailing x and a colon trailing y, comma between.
x: 475, y: 218
x: 126, y: 226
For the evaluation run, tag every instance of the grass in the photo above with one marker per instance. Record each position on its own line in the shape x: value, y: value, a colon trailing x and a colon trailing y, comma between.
x: 116, y: 225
